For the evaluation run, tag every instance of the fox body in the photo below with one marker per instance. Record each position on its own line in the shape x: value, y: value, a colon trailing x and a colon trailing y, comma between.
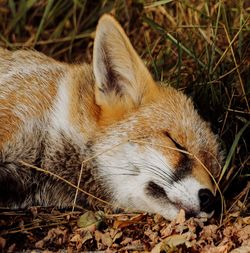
x: 139, y: 145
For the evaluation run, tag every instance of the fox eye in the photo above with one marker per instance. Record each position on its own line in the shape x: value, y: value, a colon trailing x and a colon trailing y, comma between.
x: 175, y: 143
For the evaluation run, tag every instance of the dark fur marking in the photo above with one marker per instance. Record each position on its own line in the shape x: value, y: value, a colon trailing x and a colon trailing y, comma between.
x: 17, y: 182
x: 21, y: 186
x: 158, y: 192
x: 184, y: 166
x: 66, y: 161
x: 155, y: 190
x: 12, y: 188
x: 210, y: 162
x: 112, y: 76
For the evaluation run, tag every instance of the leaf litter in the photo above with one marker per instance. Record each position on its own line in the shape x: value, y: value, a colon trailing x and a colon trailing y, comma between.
x: 44, y: 230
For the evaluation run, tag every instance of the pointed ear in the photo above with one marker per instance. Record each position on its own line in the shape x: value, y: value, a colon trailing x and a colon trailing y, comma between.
x: 122, y: 80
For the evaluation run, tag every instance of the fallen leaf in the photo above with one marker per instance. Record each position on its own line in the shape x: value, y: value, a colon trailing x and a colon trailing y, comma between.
x: 209, y: 232
x: 104, y: 238
x: 90, y: 220
x: 137, y: 217
x: 58, y: 235
x: 75, y: 238
x: 126, y: 241
x: 122, y: 223
x: 167, y: 231
x: 117, y: 236
x: 11, y: 248
x: 242, y: 249
x: 80, y: 240
x: 2, y: 243
x: 180, y: 218
x: 170, y: 242
x: 153, y: 236
x: 246, y: 220
x: 244, y: 233
x: 214, y: 249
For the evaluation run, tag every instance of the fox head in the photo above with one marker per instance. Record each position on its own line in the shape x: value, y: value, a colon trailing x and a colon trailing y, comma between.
x: 156, y: 154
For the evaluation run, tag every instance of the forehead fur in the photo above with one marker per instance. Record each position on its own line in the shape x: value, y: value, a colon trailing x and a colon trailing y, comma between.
x: 173, y: 112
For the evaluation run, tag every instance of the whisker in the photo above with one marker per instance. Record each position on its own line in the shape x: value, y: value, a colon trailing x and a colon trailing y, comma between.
x: 153, y: 169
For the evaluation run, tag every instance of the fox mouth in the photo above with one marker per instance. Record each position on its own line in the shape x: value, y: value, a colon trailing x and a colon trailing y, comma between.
x: 157, y: 192
x: 189, y: 212
x: 194, y: 212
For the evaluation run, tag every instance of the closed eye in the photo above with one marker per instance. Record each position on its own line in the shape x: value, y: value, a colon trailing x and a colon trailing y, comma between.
x: 175, y: 143
x: 184, y: 166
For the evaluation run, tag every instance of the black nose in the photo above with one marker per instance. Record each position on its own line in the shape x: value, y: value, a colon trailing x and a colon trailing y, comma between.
x: 207, y: 200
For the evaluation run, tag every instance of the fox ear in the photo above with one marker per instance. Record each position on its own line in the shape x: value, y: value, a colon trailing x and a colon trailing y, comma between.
x: 122, y: 80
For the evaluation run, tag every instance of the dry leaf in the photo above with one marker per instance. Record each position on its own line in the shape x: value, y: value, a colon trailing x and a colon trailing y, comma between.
x: 244, y: 233
x: 122, y: 223
x: 167, y: 231
x: 75, y: 238
x: 169, y: 242
x: 2, y: 243
x: 126, y: 241
x: 242, y: 249
x: 80, y: 240
x: 213, y: 249
x: 209, y: 232
x: 90, y: 220
x: 117, y: 235
x: 246, y: 220
x: 11, y: 248
x: 58, y: 235
x: 104, y: 238
x: 180, y: 218
x: 153, y: 236
x: 138, y: 217
x: 86, y: 237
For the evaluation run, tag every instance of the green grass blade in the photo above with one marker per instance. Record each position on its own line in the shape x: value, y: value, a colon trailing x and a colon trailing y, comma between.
x: 214, y: 39
x: 5, y: 41
x: 185, y: 49
x: 167, y: 35
x: 45, y: 15
x: 12, y: 6
x: 23, y: 8
x: 232, y: 149
x: 60, y: 27
x: 179, y: 65
x: 240, y: 46
x: 157, y: 3
x: 152, y: 60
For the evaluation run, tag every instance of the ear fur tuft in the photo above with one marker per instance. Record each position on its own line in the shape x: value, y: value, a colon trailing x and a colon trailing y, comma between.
x: 122, y: 80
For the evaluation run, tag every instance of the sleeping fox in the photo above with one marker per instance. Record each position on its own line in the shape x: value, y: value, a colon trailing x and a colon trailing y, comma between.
x: 108, y: 128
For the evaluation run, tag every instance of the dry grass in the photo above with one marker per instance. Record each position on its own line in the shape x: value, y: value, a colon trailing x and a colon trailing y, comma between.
x: 201, y: 47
